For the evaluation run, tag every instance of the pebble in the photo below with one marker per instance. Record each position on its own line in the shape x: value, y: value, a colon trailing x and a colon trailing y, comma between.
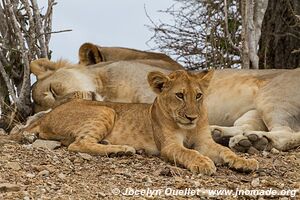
x: 147, y: 179
x: 255, y: 182
x: 44, y: 173
x: 85, y: 156
x: 8, y: 187
x: 101, y: 194
x: 47, y: 144
x: 265, y: 153
x: 67, y: 161
x: 30, y: 175
x: 275, y: 151
x: 61, y: 176
x: 283, y: 198
x: 14, y: 165
x: 29, y: 137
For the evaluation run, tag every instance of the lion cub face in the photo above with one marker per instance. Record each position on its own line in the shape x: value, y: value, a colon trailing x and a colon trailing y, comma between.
x: 181, y: 95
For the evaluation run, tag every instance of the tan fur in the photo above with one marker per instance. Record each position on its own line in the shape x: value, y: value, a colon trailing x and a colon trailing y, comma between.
x: 175, y: 125
x: 90, y: 54
x: 109, y: 81
x: 256, y: 108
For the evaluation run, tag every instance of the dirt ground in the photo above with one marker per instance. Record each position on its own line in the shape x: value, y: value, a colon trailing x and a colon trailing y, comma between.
x: 27, y: 172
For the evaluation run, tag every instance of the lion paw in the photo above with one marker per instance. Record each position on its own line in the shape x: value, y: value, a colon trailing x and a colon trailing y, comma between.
x: 222, y: 135
x: 125, y: 151
x: 202, y: 165
x: 249, y: 140
x: 245, y: 165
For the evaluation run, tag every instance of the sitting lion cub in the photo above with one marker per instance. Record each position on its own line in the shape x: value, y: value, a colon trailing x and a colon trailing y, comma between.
x: 175, y: 125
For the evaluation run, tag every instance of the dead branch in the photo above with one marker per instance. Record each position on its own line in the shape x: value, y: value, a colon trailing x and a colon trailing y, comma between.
x: 226, y: 29
x: 24, y: 35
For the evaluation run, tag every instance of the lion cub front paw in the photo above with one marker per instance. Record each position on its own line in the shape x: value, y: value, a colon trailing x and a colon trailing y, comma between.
x: 245, y: 165
x: 202, y: 165
x: 124, y: 150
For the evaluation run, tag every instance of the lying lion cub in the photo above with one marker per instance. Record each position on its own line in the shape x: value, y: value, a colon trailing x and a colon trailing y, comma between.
x: 175, y: 125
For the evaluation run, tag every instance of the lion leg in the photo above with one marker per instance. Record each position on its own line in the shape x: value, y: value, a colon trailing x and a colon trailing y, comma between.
x: 90, y: 145
x: 251, y: 120
x: 189, y: 158
x: 282, y: 122
x: 223, y: 155
x: 93, y: 131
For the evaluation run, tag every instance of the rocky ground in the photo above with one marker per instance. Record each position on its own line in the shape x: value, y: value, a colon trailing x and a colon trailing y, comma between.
x: 34, y: 172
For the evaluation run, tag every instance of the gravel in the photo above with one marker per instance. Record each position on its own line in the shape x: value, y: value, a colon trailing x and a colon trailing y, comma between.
x: 40, y: 173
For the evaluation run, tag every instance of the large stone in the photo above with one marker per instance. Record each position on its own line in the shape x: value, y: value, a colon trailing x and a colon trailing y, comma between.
x: 47, y: 144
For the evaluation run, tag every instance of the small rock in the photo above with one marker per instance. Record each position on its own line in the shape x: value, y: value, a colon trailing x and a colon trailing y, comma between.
x: 61, y: 176
x: 47, y: 144
x: 44, y: 173
x: 255, y: 182
x: 30, y: 175
x: 275, y: 151
x: 8, y: 187
x: 85, y: 156
x: 165, y: 172
x: 196, y: 183
x: 67, y: 161
x: 147, y: 179
x: 14, y: 165
x: 283, y: 198
x: 101, y: 194
x: 262, y: 173
x: 29, y: 137
x: 77, y: 161
x: 26, y: 198
x: 265, y: 153
x: 281, y: 185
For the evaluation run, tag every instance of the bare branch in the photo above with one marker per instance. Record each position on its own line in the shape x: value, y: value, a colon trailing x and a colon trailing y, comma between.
x: 39, y: 29
x: 8, y: 84
x: 227, y: 31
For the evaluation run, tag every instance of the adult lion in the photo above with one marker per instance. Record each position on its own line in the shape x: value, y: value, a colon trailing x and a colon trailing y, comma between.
x: 175, y: 125
x: 256, y: 108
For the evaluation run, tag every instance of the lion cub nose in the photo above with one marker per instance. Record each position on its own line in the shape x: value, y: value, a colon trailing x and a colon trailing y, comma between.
x: 191, y: 117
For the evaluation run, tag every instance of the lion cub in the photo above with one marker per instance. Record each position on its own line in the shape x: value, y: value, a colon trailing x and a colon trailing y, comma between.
x: 174, y: 126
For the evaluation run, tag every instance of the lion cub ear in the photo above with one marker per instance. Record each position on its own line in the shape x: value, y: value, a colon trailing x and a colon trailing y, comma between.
x: 204, y: 78
x: 157, y: 80
x: 89, y: 54
x: 43, y: 67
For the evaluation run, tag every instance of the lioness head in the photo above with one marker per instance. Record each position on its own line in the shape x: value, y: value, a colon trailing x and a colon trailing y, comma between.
x: 181, y: 95
x: 55, y: 80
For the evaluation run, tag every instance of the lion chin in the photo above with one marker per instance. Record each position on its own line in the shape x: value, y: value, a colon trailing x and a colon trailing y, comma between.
x: 190, y: 125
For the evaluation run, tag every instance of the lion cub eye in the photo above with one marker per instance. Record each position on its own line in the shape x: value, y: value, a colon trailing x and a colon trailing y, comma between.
x: 179, y: 95
x: 198, y: 96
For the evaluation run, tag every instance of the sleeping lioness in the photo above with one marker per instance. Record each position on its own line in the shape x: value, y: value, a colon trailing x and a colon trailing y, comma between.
x: 174, y: 126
